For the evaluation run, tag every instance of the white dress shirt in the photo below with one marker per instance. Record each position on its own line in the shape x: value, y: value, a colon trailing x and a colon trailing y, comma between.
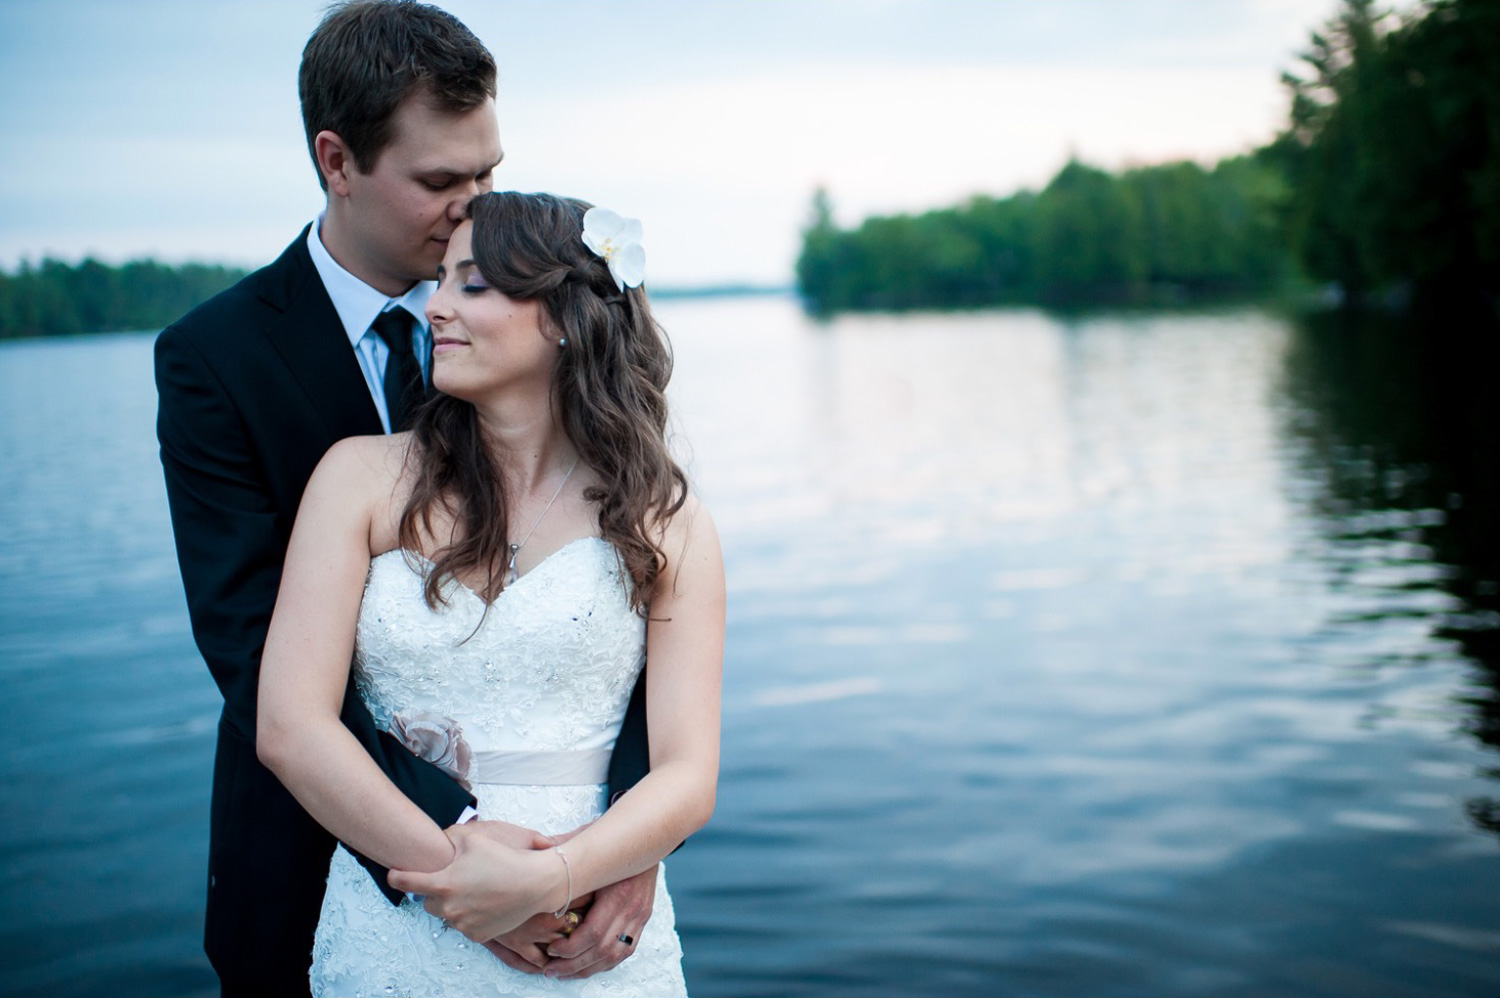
x: 358, y: 305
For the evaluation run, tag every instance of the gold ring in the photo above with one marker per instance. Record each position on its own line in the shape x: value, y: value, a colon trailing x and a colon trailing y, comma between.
x: 570, y: 922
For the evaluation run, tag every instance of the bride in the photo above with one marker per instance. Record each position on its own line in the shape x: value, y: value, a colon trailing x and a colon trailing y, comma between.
x: 500, y: 575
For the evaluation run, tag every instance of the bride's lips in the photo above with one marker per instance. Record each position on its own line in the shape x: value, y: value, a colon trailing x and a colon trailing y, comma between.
x: 442, y: 344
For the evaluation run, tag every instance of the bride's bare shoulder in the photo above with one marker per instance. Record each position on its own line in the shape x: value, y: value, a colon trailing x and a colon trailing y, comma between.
x: 367, y: 466
x: 690, y: 534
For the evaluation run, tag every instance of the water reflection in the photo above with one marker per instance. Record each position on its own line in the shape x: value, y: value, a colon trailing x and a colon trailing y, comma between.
x: 1396, y: 418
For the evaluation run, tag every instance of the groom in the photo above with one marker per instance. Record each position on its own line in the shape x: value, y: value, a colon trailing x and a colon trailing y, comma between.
x: 256, y: 384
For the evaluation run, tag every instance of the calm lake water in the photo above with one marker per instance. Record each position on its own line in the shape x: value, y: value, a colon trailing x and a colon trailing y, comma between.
x: 1152, y: 654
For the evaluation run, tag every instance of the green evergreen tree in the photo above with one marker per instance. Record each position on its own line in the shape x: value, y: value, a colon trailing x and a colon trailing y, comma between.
x: 1393, y: 149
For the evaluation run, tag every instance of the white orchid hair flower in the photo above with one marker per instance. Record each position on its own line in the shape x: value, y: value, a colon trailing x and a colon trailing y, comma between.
x: 618, y: 240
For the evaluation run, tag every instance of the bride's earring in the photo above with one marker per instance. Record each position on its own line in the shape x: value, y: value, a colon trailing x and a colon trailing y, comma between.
x: 562, y: 342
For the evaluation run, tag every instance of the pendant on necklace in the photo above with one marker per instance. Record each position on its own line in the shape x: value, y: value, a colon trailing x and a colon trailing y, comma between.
x: 510, y: 572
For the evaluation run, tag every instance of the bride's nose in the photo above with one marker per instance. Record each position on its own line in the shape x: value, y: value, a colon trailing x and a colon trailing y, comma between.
x: 437, y: 307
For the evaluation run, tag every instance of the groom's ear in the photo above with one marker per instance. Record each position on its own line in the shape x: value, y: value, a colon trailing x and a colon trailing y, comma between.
x: 335, y: 161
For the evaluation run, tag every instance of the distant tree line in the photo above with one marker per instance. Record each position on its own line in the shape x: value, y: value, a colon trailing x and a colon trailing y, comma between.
x: 55, y: 298
x: 1177, y: 230
x: 1388, y: 175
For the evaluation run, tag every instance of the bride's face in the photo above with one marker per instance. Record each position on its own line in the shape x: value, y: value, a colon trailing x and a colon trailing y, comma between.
x: 483, y: 342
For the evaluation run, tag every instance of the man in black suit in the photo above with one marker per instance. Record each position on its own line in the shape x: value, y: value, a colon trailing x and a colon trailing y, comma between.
x: 256, y: 384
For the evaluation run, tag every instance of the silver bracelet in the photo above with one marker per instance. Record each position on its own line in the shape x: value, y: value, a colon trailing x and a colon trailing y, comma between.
x: 559, y: 913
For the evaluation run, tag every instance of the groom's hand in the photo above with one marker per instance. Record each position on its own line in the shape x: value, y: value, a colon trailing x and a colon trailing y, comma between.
x: 619, y: 910
x: 524, y: 948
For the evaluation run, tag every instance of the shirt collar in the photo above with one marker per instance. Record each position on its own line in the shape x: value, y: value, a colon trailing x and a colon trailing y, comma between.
x: 356, y: 303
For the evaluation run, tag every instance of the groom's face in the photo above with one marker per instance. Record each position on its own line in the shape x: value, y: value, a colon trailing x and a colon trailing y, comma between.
x: 404, y: 210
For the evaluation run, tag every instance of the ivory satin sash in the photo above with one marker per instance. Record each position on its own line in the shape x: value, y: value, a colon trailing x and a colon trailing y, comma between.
x: 545, y: 769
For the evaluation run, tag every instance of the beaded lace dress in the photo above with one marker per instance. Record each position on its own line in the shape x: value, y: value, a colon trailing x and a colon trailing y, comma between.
x: 550, y: 669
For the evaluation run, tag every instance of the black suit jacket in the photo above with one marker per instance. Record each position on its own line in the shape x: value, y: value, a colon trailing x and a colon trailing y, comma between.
x: 254, y: 386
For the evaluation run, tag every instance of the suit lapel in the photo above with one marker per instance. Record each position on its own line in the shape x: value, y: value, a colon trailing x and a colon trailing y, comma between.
x: 310, y: 337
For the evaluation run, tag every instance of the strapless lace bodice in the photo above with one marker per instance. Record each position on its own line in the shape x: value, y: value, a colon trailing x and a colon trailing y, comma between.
x: 549, y: 667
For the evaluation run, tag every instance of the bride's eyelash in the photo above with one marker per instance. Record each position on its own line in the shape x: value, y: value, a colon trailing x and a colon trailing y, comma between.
x: 473, y: 289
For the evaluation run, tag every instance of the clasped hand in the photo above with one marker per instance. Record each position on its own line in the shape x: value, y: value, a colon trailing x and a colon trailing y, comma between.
x: 498, y: 881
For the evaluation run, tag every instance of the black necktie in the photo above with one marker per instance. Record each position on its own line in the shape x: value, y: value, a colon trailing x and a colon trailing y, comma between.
x: 403, y: 375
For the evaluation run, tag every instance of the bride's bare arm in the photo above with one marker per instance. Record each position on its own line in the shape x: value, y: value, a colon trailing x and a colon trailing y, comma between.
x: 685, y: 648
x: 685, y: 652
x: 305, y: 667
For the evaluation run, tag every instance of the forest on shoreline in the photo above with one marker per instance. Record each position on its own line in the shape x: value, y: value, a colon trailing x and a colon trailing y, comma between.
x: 54, y: 298
x: 1384, y: 185
x: 1159, y: 233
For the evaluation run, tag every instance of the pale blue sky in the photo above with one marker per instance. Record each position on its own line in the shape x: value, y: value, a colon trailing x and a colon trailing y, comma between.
x: 170, y: 127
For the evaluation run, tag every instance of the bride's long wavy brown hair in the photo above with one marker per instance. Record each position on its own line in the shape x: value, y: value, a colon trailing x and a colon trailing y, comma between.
x: 608, y: 393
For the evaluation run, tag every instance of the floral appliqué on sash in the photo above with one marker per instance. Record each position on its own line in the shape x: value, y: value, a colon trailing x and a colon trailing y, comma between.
x: 435, y: 739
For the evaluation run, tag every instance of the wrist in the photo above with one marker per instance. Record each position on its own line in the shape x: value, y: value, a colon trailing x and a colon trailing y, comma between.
x: 441, y: 853
x: 564, y: 884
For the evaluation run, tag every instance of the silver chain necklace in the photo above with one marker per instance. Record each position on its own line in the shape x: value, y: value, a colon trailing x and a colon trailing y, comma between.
x: 510, y: 570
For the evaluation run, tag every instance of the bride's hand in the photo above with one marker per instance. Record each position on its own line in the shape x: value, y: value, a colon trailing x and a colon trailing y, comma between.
x: 489, y: 888
x: 523, y: 948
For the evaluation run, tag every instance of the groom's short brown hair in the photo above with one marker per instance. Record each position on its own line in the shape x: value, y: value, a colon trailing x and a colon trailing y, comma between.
x: 367, y: 56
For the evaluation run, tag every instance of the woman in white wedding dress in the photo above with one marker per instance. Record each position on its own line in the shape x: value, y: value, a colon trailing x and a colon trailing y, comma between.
x: 500, y: 575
